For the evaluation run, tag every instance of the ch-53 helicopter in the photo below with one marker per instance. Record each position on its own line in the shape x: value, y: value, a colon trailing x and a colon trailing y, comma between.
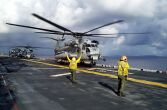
x: 89, y: 48
x: 23, y: 51
x: 20, y: 52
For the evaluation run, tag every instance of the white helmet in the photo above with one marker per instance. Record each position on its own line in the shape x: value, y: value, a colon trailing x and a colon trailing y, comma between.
x: 124, y: 58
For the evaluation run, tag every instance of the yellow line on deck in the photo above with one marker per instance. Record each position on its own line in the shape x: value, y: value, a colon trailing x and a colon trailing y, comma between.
x: 104, y: 74
x: 92, y: 68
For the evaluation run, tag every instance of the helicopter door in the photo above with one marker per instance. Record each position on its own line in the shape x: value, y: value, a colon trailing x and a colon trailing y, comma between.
x: 83, y: 47
x: 87, y: 50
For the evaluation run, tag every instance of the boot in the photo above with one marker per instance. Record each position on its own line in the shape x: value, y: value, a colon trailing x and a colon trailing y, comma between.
x: 122, y: 94
x: 119, y: 93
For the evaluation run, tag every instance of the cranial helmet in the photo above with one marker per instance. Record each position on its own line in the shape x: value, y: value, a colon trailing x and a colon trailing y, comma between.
x: 124, y: 58
x: 73, y: 59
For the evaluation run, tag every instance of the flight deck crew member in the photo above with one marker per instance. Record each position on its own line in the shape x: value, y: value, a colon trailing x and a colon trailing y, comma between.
x: 123, y: 67
x: 73, y: 66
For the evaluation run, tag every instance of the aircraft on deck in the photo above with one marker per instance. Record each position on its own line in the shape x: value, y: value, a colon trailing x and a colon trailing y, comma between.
x: 24, y: 51
x: 89, y: 48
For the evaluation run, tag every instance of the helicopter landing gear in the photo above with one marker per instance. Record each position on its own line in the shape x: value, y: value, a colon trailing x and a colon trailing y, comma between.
x: 93, y: 63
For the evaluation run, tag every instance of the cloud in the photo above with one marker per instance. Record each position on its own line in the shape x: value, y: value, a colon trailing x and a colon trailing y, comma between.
x: 79, y: 15
x: 129, y: 7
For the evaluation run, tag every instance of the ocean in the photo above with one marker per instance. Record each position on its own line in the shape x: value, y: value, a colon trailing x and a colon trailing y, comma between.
x: 142, y: 62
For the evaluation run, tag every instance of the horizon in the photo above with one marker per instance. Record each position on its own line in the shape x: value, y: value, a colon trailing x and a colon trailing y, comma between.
x: 140, y: 16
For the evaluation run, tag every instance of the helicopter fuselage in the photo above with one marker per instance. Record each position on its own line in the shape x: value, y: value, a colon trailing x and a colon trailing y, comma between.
x: 90, y: 51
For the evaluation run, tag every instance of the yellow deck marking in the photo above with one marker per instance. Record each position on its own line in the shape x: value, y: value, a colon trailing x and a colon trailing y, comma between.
x: 92, y: 68
x: 104, y: 74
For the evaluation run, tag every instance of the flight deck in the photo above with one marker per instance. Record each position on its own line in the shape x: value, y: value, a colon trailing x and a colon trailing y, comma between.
x: 44, y: 85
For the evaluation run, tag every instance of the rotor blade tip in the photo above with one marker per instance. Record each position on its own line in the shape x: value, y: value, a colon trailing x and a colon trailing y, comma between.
x: 34, y: 14
x: 121, y: 21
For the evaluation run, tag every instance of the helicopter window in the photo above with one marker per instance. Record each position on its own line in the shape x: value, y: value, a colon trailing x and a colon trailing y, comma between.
x: 87, y: 45
x: 94, y: 41
x: 92, y: 45
x: 87, y: 50
x: 83, y: 47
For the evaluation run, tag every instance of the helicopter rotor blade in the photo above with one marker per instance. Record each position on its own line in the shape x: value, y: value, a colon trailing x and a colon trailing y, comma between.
x: 27, y: 47
x: 103, y: 26
x: 42, y: 47
x: 53, y: 38
x: 25, y: 26
x: 101, y: 36
x: 50, y: 38
x: 118, y: 33
x: 55, y: 33
x: 50, y: 22
x: 23, y: 46
x: 49, y: 33
x: 92, y: 34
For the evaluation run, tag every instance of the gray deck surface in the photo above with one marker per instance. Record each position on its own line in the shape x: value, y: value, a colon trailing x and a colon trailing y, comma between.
x: 33, y: 88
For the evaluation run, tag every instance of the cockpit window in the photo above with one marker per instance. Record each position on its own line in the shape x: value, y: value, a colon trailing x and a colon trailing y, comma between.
x: 87, y: 50
x: 92, y: 45
x: 88, y: 45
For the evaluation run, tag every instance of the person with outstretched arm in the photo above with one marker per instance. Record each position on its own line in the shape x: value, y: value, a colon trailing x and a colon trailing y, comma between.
x: 73, y: 66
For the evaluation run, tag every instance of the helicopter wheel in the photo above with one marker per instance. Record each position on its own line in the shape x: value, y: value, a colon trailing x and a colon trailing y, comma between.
x: 93, y: 63
x: 82, y: 63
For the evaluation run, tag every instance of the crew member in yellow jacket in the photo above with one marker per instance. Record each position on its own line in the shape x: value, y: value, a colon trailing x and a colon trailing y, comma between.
x: 73, y: 66
x: 123, y: 67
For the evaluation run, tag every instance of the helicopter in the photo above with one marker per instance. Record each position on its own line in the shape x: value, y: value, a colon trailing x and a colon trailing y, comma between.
x: 89, y: 48
x: 23, y: 51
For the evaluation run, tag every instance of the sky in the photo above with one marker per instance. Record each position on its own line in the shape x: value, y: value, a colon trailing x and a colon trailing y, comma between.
x: 82, y: 15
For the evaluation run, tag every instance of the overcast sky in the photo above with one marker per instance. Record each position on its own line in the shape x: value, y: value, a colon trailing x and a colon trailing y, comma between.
x: 83, y: 15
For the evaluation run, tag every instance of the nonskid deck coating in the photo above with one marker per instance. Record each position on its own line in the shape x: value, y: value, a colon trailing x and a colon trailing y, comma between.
x: 36, y: 89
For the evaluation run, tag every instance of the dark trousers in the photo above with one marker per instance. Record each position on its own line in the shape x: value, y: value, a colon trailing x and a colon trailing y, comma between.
x: 73, y: 75
x: 121, y: 84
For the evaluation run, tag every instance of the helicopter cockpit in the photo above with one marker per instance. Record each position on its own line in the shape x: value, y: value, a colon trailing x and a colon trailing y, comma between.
x: 91, y: 49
